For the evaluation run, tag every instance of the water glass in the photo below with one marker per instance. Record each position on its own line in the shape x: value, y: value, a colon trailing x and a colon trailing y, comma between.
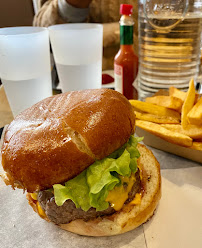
x: 77, y: 50
x: 169, y: 44
x: 25, y: 66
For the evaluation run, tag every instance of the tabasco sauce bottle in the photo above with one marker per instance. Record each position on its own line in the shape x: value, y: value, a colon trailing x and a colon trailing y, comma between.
x: 126, y: 62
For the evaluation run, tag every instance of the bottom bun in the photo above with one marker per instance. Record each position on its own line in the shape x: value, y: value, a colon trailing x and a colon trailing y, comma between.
x: 130, y: 216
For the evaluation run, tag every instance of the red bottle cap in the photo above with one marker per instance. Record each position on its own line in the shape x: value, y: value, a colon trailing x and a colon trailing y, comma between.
x: 126, y: 9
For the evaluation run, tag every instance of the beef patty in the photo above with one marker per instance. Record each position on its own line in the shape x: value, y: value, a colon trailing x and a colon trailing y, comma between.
x: 68, y: 211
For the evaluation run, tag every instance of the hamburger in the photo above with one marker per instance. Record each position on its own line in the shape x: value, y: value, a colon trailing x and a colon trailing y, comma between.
x: 76, y: 156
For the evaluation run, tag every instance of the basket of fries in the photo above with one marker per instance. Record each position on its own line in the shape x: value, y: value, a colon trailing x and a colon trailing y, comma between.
x: 172, y: 122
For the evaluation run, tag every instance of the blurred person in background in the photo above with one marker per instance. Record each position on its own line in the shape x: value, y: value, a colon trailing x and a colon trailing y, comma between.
x: 53, y: 12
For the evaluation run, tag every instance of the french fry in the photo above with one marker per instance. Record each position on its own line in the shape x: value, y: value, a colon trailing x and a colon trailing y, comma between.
x: 174, y: 128
x: 193, y: 131
x: 159, y: 116
x: 154, y: 109
x: 188, y: 103
x: 156, y: 118
x: 177, y: 93
x: 195, y: 114
x: 180, y: 94
x: 161, y: 92
x: 170, y: 136
x: 196, y: 146
x: 170, y: 102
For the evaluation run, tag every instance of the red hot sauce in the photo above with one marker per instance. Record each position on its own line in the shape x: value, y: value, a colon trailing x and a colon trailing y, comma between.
x: 126, y: 62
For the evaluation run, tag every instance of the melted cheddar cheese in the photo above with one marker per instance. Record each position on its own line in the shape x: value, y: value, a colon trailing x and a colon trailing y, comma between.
x: 119, y: 194
x: 137, y: 199
x: 116, y: 197
x: 39, y: 208
x: 34, y: 196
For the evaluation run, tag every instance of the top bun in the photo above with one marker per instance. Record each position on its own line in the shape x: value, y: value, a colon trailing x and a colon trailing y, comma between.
x: 59, y: 137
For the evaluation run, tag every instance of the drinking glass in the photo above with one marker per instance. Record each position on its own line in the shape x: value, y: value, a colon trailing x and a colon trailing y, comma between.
x: 25, y: 66
x: 77, y: 50
x: 169, y: 44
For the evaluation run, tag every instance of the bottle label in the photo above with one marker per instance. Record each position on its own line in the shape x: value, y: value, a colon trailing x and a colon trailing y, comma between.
x: 118, y: 78
x: 126, y: 35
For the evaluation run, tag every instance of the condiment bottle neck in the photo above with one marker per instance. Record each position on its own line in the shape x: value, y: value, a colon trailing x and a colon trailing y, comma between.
x: 127, y: 48
x: 126, y: 30
x: 126, y: 20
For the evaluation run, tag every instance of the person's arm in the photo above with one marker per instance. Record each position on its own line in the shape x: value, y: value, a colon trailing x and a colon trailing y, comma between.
x: 61, y: 11
x: 48, y: 14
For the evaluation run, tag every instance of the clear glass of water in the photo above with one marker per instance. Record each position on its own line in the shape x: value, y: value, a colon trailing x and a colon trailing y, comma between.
x: 77, y: 50
x: 169, y: 44
x: 25, y: 66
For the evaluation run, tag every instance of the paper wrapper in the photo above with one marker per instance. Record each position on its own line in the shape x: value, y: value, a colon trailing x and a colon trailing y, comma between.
x: 177, y: 222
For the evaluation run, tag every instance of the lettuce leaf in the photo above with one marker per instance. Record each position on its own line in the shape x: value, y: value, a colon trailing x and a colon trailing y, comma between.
x: 76, y: 189
x: 91, y: 187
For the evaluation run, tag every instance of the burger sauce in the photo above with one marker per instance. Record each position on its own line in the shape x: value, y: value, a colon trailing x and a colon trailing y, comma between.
x: 126, y: 62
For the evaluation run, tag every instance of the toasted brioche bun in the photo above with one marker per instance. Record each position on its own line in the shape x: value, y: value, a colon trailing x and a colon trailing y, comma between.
x: 59, y: 137
x: 130, y: 216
